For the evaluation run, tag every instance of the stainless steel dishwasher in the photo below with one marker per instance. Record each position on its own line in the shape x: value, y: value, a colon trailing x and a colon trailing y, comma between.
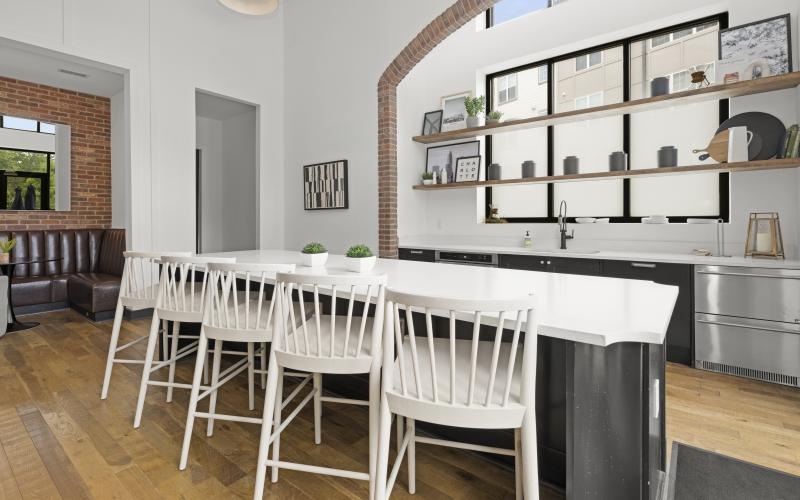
x: 467, y: 258
x: 747, y: 322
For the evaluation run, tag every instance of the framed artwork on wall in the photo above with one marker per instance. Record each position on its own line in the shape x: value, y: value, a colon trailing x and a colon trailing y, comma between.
x: 468, y: 168
x: 755, y: 50
x: 454, y: 112
x: 441, y: 160
x: 325, y: 185
x: 432, y: 123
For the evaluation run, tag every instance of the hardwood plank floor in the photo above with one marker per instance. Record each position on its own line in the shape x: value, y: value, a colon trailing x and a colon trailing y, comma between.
x: 59, y: 440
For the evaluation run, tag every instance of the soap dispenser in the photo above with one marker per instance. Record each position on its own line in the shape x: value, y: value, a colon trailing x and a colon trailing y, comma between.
x: 527, y: 240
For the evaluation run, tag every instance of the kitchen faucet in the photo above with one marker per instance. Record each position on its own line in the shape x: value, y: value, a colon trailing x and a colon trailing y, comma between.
x: 562, y: 225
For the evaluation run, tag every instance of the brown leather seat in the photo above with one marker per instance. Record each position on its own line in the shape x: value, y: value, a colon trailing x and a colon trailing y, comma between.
x: 83, y: 268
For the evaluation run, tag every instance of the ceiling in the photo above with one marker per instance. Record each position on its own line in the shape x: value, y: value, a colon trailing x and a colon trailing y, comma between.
x: 219, y: 108
x: 42, y: 66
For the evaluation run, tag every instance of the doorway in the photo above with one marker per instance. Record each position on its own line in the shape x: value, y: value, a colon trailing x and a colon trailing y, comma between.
x: 226, y: 174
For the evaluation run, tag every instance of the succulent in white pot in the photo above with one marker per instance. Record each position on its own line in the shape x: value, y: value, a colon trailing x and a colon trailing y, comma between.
x: 427, y: 178
x: 360, y: 259
x: 474, y: 107
x: 494, y: 117
x: 314, y: 254
x: 5, y: 248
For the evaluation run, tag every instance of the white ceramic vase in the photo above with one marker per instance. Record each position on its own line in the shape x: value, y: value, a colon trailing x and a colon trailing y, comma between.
x: 315, y: 259
x: 360, y: 264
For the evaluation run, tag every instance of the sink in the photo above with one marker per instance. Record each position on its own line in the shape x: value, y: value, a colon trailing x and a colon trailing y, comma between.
x: 575, y: 251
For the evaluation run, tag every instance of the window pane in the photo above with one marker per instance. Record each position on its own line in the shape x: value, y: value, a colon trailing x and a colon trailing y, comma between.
x: 510, y: 149
x: 581, y: 62
x: 22, y: 161
x: 19, y: 123
x: 542, y: 75
x: 47, y: 128
x: 682, y: 33
x: 505, y: 10
x: 659, y: 40
x: 591, y: 140
x: 595, y: 58
x: 686, y: 127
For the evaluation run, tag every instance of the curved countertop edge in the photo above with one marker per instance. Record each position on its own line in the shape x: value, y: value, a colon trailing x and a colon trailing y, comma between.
x: 575, y: 253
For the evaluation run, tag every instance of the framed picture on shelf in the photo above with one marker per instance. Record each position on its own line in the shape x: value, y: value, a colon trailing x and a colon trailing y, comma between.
x: 432, y: 123
x: 441, y: 160
x: 325, y: 185
x: 454, y: 112
x: 755, y: 50
x: 468, y: 168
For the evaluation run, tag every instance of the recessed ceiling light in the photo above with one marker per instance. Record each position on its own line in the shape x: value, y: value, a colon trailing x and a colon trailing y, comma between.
x: 251, y: 7
x: 73, y: 73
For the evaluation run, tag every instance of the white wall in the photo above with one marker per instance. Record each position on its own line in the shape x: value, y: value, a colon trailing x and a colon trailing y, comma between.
x: 209, y: 141
x: 167, y: 50
x: 239, y: 182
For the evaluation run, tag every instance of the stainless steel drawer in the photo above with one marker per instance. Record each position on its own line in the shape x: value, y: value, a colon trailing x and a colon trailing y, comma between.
x: 772, y: 294
x: 764, y: 350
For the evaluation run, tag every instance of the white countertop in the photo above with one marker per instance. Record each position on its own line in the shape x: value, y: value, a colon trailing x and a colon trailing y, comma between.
x: 578, y: 253
x: 592, y: 310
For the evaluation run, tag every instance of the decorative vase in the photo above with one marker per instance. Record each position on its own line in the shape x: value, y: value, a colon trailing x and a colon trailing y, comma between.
x: 528, y: 169
x: 4, y: 258
x: 494, y: 172
x: 315, y: 259
x: 668, y: 156
x: 473, y: 121
x: 427, y: 182
x: 360, y: 264
x: 659, y: 86
x: 617, y: 161
x: 571, y: 165
x: 492, y: 121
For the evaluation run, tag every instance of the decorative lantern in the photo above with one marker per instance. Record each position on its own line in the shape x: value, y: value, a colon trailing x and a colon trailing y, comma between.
x: 764, y: 237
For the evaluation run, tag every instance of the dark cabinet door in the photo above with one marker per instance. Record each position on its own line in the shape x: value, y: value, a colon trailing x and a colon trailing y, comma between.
x: 587, y: 267
x: 417, y: 254
x: 525, y: 262
x: 680, y: 333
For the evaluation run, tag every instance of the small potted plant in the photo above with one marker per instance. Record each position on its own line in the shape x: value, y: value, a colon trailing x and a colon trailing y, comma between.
x: 494, y: 117
x: 474, y: 107
x: 314, y: 254
x: 427, y: 178
x: 5, y: 247
x: 360, y: 259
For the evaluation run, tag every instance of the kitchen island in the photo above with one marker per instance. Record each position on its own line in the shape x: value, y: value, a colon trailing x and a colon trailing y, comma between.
x: 600, y: 369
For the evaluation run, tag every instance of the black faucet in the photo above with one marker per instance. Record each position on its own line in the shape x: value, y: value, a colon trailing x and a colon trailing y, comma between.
x: 562, y: 225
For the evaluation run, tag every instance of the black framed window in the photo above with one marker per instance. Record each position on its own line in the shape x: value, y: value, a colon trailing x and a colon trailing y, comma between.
x: 615, y: 72
x: 22, y: 171
x: 26, y: 124
x: 506, y: 10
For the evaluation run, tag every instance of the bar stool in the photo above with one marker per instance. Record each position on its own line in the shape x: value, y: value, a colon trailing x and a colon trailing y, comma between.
x: 472, y: 383
x: 233, y: 316
x: 326, y: 343
x: 138, y: 290
x: 180, y: 298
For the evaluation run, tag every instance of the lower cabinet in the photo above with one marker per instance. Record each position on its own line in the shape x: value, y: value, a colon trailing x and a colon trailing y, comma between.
x: 587, y: 267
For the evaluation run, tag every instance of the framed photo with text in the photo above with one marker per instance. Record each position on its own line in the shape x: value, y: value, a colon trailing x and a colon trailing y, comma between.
x: 468, y: 168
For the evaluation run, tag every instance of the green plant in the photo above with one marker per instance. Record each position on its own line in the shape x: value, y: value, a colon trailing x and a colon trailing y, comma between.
x: 427, y: 176
x: 6, y: 245
x: 474, y: 105
x: 494, y: 115
x: 314, y: 247
x: 359, y: 251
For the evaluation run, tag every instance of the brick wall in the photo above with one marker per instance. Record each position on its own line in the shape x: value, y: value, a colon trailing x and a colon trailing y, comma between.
x: 456, y: 16
x: 90, y: 118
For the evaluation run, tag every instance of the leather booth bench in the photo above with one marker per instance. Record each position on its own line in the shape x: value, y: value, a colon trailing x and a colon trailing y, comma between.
x: 85, y: 274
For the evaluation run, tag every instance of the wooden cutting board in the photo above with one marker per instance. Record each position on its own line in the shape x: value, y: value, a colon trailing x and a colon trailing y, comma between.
x: 717, y: 149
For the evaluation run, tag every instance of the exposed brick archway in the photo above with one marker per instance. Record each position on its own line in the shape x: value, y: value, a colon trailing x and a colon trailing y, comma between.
x: 456, y: 16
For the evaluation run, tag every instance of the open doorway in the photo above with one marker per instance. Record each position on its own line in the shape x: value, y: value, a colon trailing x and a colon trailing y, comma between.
x: 226, y: 168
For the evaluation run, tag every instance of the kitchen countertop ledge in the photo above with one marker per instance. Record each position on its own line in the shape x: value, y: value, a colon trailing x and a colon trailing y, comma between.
x: 594, y: 310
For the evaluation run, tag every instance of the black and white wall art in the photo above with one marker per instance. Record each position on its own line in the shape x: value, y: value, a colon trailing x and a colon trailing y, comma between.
x: 432, y: 123
x: 325, y: 185
x: 455, y: 113
x: 756, y: 50
x: 468, y: 168
x: 441, y: 160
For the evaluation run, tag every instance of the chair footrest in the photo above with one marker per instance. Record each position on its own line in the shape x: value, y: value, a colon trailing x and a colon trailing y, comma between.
x: 231, y: 418
x: 129, y: 361
x: 364, y: 476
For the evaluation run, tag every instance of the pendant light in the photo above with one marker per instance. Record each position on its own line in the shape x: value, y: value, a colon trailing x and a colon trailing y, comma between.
x: 251, y: 7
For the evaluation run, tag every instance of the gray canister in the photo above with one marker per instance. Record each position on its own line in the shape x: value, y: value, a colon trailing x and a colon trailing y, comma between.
x: 528, y: 169
x: 617, y: 161
x: 659, y: 86
x: 668, y: 156
x: 493, y: 172
x: 570, y: 165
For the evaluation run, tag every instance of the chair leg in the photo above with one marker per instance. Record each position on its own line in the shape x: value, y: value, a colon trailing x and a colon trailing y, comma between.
x: 251, y: 375
x: 518, y: 464
x: 112, y: 349
x: 263, y: 365
x: 412, y: 455
x: 317, y: 408
x: 384, y: 438
x: 374, y: 422
x: 176, y: 330
x: 276, y: 445
x: 164, y: 340
x: 530, y: 461
x: 148, y: 363
x: 401, y: 423
x: 205, y: 372
x: 266, y: 428
x: 202, y: 348
x: 212, y: 398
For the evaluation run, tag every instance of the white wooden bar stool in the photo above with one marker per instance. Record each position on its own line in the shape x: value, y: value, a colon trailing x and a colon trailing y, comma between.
x: 472, y: 383
x: 234, y: 316
x: 138, y: 290
x: 326, y: 343
x: 180, y: 298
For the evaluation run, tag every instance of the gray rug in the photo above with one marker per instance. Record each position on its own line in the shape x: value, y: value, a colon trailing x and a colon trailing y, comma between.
x: 696, y: 474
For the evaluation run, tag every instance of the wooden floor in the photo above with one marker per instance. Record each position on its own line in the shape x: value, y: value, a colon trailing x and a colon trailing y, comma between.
x: 59, y: 440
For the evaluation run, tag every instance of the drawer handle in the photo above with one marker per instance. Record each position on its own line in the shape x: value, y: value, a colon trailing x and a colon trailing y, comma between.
x: 779, y: 276
x: 646, y: 265
x: 415, y: 252
x: 740, y: 325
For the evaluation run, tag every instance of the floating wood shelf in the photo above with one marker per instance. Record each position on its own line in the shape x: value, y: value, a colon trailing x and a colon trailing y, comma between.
x: 768, y: 84
x: 745, y: 166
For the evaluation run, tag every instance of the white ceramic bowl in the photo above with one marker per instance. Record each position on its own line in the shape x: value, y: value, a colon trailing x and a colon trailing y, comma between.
x: 602, y: 220
x: 360, y: 264
x: 315, y: 259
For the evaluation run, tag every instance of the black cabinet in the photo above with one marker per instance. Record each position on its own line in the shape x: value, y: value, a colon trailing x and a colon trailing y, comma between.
x: 417, y: 254
x: 561, y: 265
x: 680, y: 333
